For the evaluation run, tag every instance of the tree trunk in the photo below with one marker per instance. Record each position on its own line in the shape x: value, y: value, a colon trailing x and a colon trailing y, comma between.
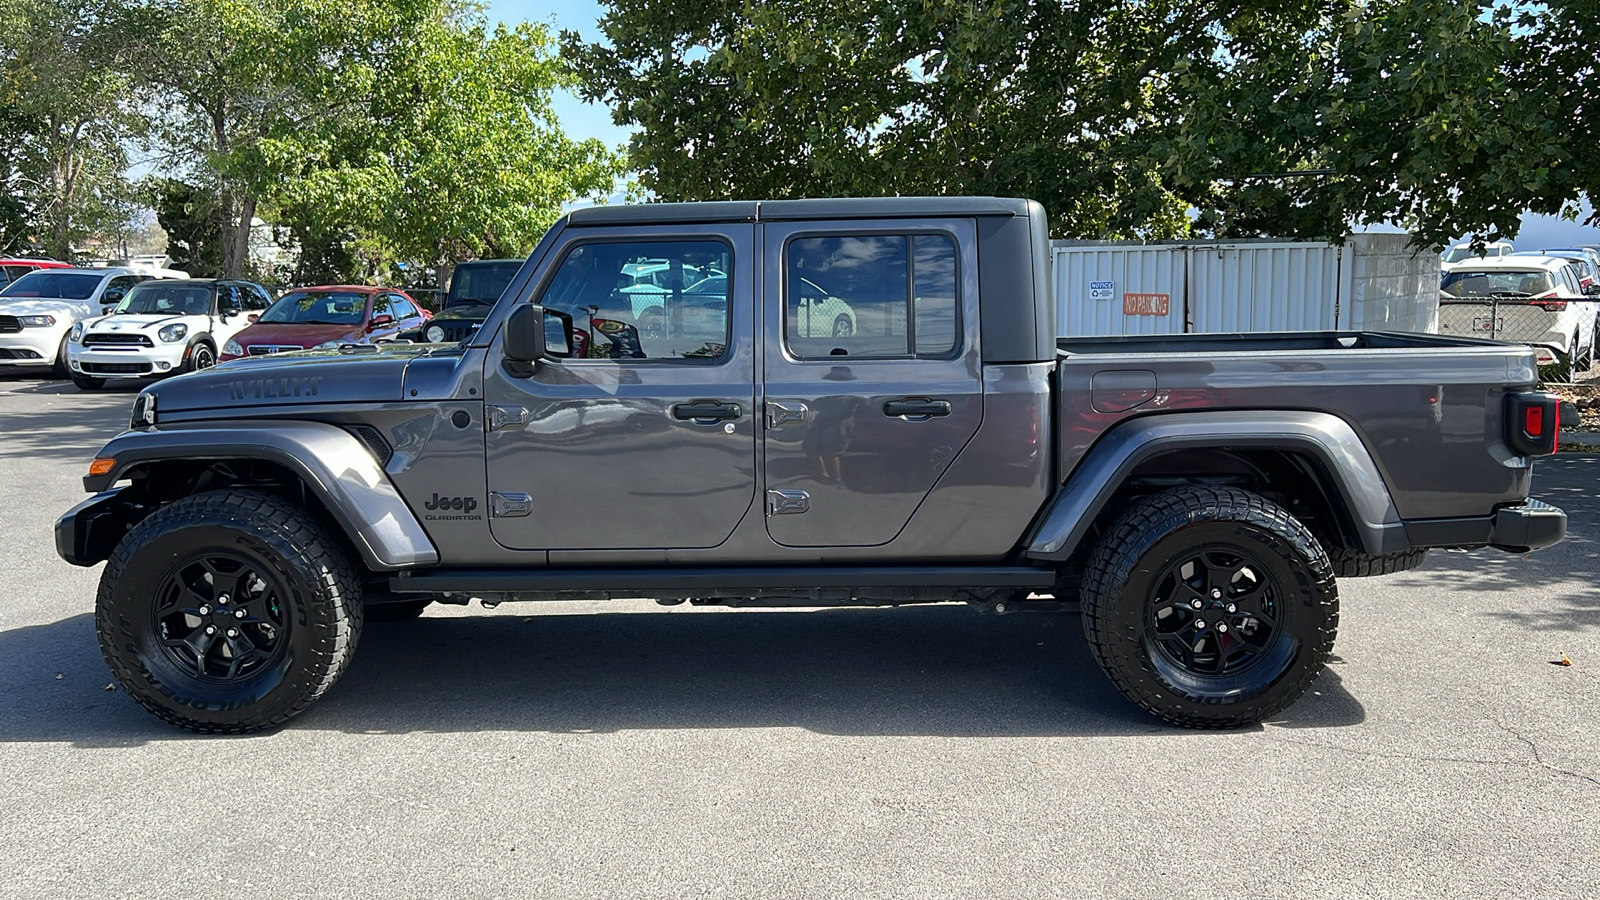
x: 236, y: 244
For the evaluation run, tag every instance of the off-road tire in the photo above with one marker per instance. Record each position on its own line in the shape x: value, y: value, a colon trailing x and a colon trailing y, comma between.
x: 316, y: 586
x: 87, y: 382
x: 1125, y: 571
x: 1356, y: 564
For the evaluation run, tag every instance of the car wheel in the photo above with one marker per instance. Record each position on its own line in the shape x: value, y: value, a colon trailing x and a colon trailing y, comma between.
x: 652, y: 326
x: 59, y: 368
x: 86, y: 382
x: 228, y: 611
x: 843, y: 327
x: 1210, y: 607
x: 201, y: 356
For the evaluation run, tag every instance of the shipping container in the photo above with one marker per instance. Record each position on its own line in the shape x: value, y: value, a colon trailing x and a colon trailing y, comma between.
x: 1373, y: 282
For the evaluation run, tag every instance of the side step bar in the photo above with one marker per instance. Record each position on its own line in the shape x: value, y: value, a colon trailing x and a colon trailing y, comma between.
x: 720, y: 580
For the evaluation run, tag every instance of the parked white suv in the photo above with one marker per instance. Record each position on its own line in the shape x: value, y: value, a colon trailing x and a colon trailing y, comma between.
x: 1534, y: 300
x: 163, y: 327
x: 38, y: 309
x: 1462, y: 253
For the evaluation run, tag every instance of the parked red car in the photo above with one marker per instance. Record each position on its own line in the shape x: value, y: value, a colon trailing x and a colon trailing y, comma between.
x: 14, y: 267
x: 326, y: 317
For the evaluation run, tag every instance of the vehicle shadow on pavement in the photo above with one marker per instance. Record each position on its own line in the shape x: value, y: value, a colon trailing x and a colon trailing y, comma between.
x: 939, y: 671
x: 73, y: 423
x: 1567, y: 573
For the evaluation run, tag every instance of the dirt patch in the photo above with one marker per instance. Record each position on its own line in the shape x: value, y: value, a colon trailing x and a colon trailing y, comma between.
x: 1586, y: 396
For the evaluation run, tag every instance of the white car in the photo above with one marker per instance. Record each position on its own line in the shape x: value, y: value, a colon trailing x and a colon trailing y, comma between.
x: 38, y: 309
x: 1534, y: 300
x: 1462, y: 253
x: 163, y: 327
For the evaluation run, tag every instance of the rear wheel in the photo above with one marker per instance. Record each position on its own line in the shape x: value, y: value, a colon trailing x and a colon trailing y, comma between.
x: 1210, y: 607
x: 228, y: 611
x: 842, y: 326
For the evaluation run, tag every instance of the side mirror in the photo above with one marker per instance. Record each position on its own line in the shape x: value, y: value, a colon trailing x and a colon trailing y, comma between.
x: 380, y: 320
x: 112, y: 297
x: 229, y: 311
x: 1592, y: 290
x: 525, y: 335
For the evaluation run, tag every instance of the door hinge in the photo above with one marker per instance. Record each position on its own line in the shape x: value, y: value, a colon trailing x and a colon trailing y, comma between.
x: 507, y: 417
x: 787, y: 503
x: 509, y: 504
x: 782, y: 411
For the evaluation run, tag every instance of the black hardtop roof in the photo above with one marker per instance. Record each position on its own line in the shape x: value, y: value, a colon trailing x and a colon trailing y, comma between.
x: 781, y: 210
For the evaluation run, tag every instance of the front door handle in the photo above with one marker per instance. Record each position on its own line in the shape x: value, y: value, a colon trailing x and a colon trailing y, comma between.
x: 706, y: 411
x: 916, y: 407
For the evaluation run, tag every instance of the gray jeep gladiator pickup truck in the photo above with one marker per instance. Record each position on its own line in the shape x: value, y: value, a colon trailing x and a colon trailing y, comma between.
x: 804, y: 402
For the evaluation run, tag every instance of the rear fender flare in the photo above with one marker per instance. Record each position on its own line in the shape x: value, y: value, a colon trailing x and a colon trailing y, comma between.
x: 1323, y: 436
x: 333, y: 464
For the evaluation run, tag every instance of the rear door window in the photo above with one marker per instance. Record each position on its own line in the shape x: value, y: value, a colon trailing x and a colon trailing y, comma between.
x: 871, y: 296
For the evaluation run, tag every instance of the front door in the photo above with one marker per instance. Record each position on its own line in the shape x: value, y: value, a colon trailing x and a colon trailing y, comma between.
x: 644, y: 437
x: 873, y: 377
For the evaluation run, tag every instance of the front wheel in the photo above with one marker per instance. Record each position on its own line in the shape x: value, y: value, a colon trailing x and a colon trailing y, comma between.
x: 87, y: 382
x: 228, y: 611
x: 1210, y: 607
x: 843, y: 326
x: 201, y: 356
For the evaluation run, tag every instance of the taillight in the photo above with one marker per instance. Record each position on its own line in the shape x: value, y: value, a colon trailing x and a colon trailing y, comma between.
x: 1551, y: 305
x: 1533, y: 420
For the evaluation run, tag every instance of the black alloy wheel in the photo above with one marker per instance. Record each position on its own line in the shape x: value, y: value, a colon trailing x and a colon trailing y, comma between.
x: 1209, y: 607
x: 221, y: 617
x: 201, y: 357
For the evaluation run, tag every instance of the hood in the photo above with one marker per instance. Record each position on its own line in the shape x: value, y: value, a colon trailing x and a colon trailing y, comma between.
x: 470, y: 312
x: 131, y: 322
x: 322, y: 376
x: 71, y: 310
x: 292, y: 334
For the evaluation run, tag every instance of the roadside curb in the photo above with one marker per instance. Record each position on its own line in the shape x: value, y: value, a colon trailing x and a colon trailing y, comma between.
x: 1585, y: 441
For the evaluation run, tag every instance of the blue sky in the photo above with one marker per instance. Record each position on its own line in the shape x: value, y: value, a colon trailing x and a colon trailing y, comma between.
x: 583, y: 120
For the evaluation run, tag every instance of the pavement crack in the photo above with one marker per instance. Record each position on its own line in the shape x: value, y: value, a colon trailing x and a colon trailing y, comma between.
x: 1538, y: 757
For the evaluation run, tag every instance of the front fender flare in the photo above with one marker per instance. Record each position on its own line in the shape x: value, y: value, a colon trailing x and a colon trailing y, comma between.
x: 1324, y: 437
x: 332, y: 462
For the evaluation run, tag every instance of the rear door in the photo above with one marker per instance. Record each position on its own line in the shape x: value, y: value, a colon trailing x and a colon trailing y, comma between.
x: 636, y: 441
x: 873, y: 381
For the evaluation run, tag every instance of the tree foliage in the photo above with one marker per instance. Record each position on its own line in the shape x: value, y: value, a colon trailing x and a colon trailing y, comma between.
x: 1154, y: 119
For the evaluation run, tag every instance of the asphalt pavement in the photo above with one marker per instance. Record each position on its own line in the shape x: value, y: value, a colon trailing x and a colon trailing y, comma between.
x: 629, y: 750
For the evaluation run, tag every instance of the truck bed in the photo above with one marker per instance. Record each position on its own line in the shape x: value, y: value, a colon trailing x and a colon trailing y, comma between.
x: 1427, y: 407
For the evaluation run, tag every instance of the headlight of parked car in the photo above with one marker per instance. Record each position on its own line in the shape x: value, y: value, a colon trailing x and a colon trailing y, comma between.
x: 174, y: 333
x: 434, y: 334
x: 36, y: 321
x: 232, y: 348
x: 76, y: 334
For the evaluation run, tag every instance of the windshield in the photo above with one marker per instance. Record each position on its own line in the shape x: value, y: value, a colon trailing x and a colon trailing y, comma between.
x: 150, y: 299
x: 480, y: 282
x: 55, y: 285
x: 317, y: 308
x: 1461, y: 283
x: 1457, y: 254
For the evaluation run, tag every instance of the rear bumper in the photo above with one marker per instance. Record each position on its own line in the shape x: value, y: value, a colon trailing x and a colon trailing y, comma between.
x: 1531, y: 526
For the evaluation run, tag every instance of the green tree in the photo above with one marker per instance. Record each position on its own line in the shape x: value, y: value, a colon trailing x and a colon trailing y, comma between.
x: 195, y: 223
x: 66, y: 94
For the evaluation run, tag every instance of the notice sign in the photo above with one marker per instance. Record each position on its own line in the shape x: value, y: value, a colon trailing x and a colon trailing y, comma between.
x: 1102, y: 290
x: 1146, y: 304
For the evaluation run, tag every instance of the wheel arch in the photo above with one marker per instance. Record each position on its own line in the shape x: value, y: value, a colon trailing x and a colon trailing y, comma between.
x: 1313, y: 461
x: 324, y: 465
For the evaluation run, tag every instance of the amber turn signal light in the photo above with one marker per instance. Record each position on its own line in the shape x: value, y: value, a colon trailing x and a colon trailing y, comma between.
x: 102, y: 465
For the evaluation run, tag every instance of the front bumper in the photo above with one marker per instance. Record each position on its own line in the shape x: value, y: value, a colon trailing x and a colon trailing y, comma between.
x: 129, y: 362
x: 31, y: 347
x: 88, y: 532
x: 1531, y: 526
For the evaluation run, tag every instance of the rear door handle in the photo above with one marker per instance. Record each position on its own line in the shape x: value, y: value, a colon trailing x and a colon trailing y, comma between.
x: 706, y: 411
x: 916, y: 407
